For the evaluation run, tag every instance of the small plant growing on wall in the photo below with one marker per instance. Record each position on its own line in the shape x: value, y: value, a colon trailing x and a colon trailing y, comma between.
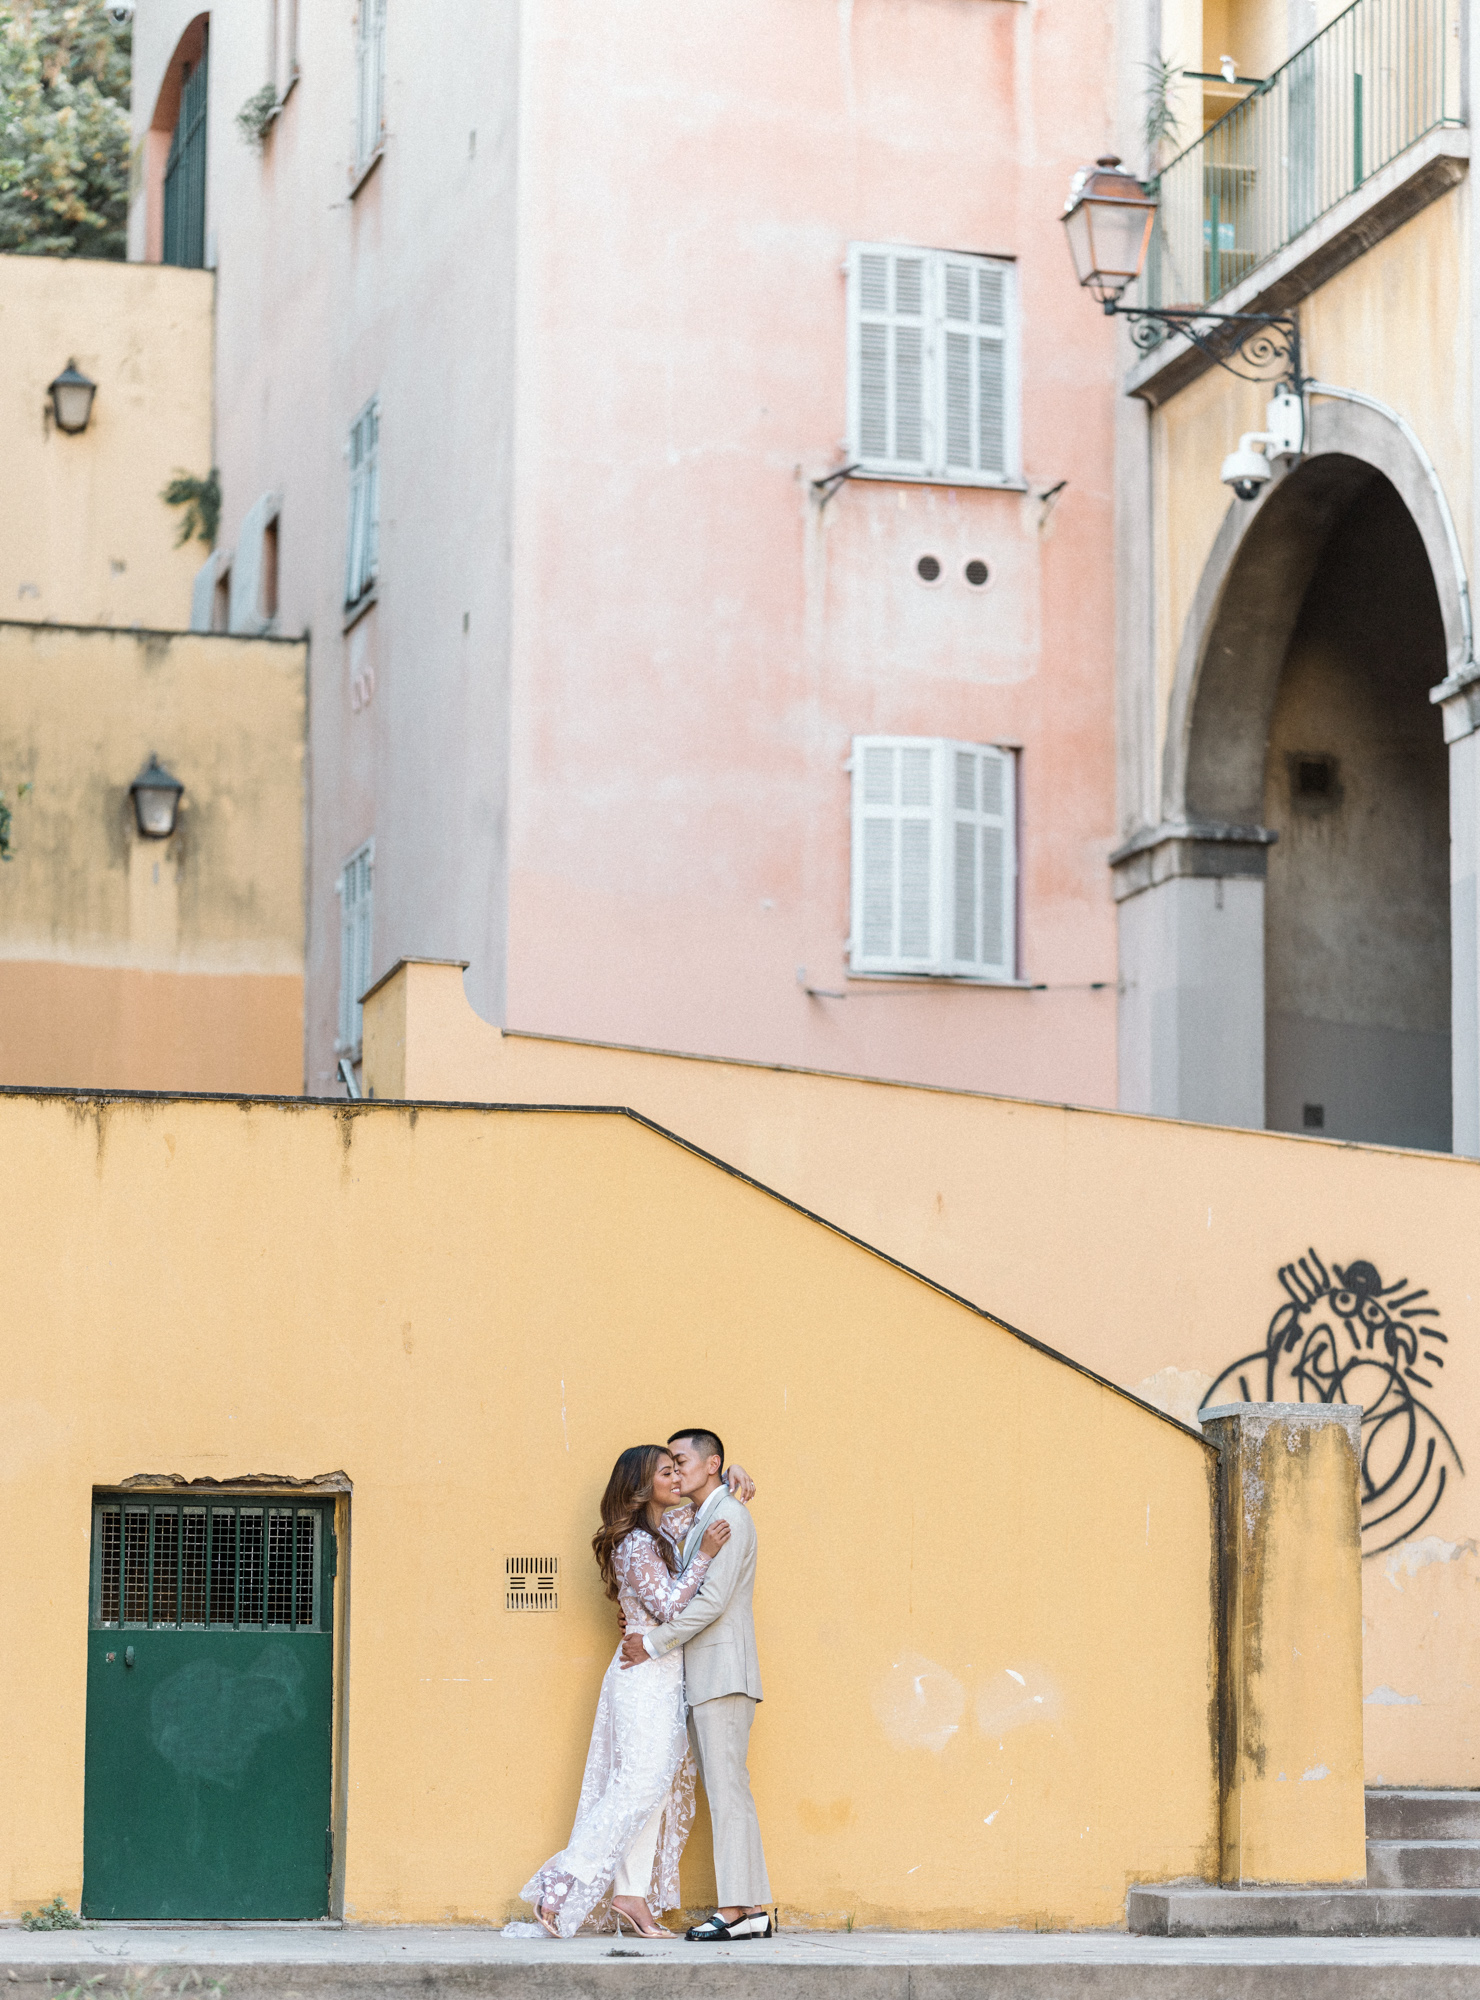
x: 201, y: 499
x: 52, y: 1916
x: 254, y: 120
x: 7, y: 853
x: 1160, y: 128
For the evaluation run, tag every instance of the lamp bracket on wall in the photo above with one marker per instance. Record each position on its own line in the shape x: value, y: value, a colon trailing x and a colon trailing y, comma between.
x: 1256, y: 347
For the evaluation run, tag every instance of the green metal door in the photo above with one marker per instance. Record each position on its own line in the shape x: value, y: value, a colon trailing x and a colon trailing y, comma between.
x: 209, y: 1709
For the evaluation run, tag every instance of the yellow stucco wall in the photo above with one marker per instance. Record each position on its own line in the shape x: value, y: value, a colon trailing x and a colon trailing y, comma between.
x: 985, y: 1588
x: 144, y: 964
x: 1394, y: 324
x: 1148, y: 1250
x: 84, y: 535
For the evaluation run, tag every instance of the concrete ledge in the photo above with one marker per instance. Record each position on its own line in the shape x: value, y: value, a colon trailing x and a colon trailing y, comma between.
x: 1423, y: 1864
x: 1417, y: 1815
x: 1162, y: 853
x: 1199, y: 1910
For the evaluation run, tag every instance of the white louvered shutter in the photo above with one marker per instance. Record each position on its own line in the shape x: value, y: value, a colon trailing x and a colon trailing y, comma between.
x: 934, y: 858
x: 370, y: 59
x: 975, y: 316
x: 889, y: 299
x: 896, y: 855
x: 362, y: 555
x: 356, y: 889
x: 983, y: 891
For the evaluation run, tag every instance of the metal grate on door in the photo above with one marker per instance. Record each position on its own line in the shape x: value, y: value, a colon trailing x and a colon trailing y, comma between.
x: 255, y: 1566
x: 530, y: 1583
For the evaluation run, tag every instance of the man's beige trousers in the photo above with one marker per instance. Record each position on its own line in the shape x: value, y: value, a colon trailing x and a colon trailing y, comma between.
x: 719, y: 1731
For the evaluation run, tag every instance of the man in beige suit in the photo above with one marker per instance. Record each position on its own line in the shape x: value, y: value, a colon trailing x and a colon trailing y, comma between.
x: 723, y: 1684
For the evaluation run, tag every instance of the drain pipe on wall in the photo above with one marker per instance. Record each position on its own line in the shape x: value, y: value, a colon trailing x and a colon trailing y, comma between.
x: 1466, y: 669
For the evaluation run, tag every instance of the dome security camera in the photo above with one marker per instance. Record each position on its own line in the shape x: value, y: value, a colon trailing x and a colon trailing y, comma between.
x: 120, y: 11
x: 1246, y: 469
x: 1283, y: 436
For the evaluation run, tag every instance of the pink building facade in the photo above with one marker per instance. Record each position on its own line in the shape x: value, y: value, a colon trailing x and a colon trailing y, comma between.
x: 678, y: 430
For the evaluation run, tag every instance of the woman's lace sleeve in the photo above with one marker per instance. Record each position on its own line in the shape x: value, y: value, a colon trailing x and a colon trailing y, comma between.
x: 677, y: 1521
x: 643, y: 1574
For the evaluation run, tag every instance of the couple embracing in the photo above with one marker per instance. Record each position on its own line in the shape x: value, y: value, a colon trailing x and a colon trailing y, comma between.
x: 676, y: 1551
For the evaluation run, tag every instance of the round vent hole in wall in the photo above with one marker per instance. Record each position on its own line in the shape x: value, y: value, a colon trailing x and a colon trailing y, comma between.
x: 928, y: 569
x: 977, y: 574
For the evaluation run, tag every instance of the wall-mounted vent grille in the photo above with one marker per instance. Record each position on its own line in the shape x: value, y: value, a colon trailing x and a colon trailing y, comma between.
x: 531, y: 1583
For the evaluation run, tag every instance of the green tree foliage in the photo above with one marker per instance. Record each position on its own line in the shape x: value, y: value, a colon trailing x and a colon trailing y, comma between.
x: 64, y: 129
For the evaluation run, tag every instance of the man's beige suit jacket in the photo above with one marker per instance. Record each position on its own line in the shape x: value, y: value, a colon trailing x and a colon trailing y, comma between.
x: 716, y: 1628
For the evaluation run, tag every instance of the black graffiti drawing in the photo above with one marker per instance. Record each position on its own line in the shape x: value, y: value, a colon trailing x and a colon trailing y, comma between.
x: 1342, y: 1336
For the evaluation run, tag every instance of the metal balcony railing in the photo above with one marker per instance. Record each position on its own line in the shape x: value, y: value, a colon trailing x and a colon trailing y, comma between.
x: 1381, y: 76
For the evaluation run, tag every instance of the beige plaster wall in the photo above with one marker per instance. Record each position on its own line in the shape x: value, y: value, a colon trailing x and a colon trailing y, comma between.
x: 84, y: 536
x: 989, y: 1692
x: 1154, y: 1252
x: 160, y: 964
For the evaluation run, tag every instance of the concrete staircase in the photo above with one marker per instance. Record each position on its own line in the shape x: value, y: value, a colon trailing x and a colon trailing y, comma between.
x: 1423, y: 1880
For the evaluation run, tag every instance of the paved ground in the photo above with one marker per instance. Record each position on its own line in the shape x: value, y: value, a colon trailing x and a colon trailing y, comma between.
x: 324, y: 1944
x: 313, y: 1962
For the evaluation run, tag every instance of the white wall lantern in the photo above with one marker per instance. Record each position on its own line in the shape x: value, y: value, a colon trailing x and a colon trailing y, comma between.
x: 156, y: 796
x: 72, y: 399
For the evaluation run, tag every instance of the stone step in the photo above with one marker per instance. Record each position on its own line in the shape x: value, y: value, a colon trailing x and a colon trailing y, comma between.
x: 1423, y: 1864
x: 1395, y: 1814
x: 1197, y: 1909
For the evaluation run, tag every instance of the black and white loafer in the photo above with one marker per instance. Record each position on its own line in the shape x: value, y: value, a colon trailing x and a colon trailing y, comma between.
x: 714, y: 1930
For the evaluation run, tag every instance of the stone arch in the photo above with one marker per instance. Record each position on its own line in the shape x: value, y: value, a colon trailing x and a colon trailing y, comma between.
x: 1250, y: 595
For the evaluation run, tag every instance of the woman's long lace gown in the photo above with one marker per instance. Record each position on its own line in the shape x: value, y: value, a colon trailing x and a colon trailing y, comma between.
x: 639, y: 1756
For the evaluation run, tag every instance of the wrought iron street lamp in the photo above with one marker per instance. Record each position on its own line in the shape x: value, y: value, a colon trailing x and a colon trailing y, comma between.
x: 1108, y: 220
x: 72, y: 399
x: 156, y: 796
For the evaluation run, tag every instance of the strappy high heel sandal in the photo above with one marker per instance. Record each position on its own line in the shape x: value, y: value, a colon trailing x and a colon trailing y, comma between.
x: 547, y: 1919
x: 626, y: 1917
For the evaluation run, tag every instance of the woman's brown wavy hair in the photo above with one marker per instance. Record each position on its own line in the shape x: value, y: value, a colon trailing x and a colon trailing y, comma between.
x: 624, y: 1507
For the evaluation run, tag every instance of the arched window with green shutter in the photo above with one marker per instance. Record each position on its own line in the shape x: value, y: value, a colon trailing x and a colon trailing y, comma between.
x: 185, y: 176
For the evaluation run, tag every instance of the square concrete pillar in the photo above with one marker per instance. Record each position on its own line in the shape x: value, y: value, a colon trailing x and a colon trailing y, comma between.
x: 1190, y: 904
x: 1290, y: 1641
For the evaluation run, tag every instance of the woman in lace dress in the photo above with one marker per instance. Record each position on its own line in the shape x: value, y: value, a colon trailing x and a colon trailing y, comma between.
x: 637, y: 1795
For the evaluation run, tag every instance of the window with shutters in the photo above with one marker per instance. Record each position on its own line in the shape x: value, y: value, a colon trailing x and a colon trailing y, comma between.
x: 185, y: 175
x: 252, y: 599
x: 934, y: 858
x: 356, y: 883
x: 370, y: 82
x: 363, y: 561
x: 933, y: 366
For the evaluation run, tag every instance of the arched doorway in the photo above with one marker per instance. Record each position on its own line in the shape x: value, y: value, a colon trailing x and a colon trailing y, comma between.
x: 1356, y: 786
x: 1285, y: 926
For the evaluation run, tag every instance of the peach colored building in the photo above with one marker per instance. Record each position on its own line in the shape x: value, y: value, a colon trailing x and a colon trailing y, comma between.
x: 646, y: 408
